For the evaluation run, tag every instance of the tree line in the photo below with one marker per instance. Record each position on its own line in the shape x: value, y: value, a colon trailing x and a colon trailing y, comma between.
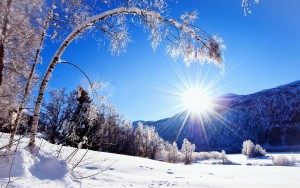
x: 26, y: 25
x: 75, y: 120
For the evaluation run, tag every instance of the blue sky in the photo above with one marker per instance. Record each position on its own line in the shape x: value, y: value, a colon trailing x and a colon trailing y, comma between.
x: 262, y: 51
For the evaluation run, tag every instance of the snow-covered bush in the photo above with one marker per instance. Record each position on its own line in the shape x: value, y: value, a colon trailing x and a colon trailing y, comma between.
x: 224, y: 158
x: 214, y: 155
x: 251, y: 150
x: 200, y: 156
x: 248, y: 148
x: 259, y: 151
x: 283, y: 161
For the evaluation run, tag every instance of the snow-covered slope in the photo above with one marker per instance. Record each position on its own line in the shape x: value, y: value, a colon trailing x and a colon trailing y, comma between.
x: 269, y: 117
x: 97, y: 169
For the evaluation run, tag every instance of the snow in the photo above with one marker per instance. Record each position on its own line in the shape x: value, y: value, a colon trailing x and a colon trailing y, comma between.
x: 42, y: 168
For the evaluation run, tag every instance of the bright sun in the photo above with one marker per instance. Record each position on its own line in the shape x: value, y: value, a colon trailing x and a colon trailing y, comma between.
x: 196, y: 100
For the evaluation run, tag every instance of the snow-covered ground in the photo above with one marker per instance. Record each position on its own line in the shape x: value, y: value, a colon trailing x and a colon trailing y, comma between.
x: 99, y: 169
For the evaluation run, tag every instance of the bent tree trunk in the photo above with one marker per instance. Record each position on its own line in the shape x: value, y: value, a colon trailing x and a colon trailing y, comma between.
x: 82, y: 27
x: 14, y: 127
x: 60, y: 51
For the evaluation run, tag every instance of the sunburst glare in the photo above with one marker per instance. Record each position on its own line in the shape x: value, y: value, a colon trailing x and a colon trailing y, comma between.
x: 194, y: 96
x: 197, y: 100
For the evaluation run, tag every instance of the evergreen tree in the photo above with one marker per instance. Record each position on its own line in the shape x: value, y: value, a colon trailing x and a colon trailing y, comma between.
x: 80, y: 123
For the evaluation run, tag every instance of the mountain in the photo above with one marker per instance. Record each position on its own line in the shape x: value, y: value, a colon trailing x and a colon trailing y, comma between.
x: 270, y: 118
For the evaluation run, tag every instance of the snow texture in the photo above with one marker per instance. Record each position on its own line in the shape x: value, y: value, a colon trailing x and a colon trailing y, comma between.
x: 42, y: 168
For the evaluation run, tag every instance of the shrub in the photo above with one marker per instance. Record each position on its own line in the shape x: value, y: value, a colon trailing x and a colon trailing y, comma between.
x: 283, y: 161
x: 200, y: 156
x: 224, y: 158
x: 259, y: 151
x: 251, y: 150
x: 214, y: 155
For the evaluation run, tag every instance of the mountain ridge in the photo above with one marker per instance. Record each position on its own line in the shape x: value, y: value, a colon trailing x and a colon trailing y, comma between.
x: 269, y: 117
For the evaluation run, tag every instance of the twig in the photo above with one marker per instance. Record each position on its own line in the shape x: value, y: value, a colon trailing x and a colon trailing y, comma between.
x: 38, y: 150
x: 5, y: 157
x: 108, y: 167
x: 93, y: 162
x: 78, y: 68
x: 69, y: 158
x: 59, y: 151
x: 80, y: 160
x: 5, y: 146
x: 9, y: 174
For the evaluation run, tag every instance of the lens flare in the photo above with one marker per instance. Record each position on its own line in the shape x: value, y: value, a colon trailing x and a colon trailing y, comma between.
x: 197, y: 100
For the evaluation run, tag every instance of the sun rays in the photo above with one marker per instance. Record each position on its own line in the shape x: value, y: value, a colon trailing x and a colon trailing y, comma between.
x: 197, y: 100
x: 193, y: 94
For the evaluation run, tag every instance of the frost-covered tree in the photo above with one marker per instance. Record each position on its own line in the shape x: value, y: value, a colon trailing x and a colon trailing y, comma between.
x: 54, y: 114
x: 5, y: 9
x: 153, y: 144
x: 66, y: 119
x: 183, y: 38
x: 61, y: 16
x: 139, y: 140
x: 17, y: 28
x: 108, y: 130
x: 126, y: 139
x: 82, y: 118
x: 156, y: 145
x: 173, y: 153
x: 147, y: 142
x: 187, y: 150
x: 17, y: 43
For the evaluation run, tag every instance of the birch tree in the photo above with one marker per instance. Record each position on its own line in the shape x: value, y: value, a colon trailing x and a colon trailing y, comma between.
x: 184, y: 40
x: 60, y: 17
x: 26, y: 90
x: 5, y: 10
x: 15, y: 26
x: 18, y: 39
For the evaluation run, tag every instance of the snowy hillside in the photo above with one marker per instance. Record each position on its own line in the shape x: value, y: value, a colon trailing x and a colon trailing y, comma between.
x: 269, y: 117
x: 97, y: 169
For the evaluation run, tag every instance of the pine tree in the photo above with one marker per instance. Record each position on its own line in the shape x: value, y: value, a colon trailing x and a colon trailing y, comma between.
x: 79, y: 124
